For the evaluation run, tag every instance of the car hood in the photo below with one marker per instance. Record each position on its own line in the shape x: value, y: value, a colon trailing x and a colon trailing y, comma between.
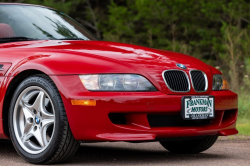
x: 111, y: 57
x: 137, y: 56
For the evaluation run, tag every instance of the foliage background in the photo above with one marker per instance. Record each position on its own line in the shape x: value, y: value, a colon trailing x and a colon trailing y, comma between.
x: 215, y: 31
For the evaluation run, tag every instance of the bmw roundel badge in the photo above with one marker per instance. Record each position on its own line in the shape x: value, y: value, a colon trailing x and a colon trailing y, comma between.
x: 37, y: 120
x: 181, y: 66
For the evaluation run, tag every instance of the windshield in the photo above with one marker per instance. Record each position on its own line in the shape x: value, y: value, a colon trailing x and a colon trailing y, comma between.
x: 34, y: 22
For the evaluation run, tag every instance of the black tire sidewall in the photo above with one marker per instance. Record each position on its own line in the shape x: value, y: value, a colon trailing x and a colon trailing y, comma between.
x: 51, y: 90
x: 190, y: 146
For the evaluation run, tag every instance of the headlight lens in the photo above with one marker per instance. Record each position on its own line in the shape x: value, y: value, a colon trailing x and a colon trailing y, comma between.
x: 106, y: 82
x: 116, y: 82
x: 130, y: 82
x: 220, y: 83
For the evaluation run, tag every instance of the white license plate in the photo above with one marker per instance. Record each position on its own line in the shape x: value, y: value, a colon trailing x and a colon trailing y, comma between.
x: 197, y: 107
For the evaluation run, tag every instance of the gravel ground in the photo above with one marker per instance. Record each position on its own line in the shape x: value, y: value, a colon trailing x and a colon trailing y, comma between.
x: 234, y: 151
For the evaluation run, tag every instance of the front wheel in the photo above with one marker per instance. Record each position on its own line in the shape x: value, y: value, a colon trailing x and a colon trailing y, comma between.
x: 189, y: 146
x: 38, y: 123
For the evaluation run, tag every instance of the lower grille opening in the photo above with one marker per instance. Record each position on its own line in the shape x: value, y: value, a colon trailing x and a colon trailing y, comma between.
x: 229, y: 115
x: 117, y: 118
x: 174, y: 121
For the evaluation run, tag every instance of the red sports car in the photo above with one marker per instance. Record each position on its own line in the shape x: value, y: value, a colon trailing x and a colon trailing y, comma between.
x: 61, y: 86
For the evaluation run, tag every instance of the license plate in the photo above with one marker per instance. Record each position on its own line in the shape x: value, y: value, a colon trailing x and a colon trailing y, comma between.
x: 197, y: 107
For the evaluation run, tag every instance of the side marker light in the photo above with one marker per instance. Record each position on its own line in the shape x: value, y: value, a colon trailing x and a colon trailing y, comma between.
x: 84, y: 102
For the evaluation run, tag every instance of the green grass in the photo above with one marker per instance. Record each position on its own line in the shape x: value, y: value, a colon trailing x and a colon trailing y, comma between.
x: 244, y: 108
x: 243, y: 128
x: 243, y: 122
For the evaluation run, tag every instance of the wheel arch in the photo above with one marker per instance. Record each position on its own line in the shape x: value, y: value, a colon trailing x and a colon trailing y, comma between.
x: 10, y: 92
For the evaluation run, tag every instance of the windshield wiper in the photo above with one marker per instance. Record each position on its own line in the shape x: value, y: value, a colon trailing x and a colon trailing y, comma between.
x: 17, y: 38
x: 20, y: 38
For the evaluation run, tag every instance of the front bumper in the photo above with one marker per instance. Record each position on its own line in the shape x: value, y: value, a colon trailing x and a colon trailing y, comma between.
x: 92, y: 123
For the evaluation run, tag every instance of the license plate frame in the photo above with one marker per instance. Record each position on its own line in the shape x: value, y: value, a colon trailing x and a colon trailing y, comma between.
x: 191, y: 108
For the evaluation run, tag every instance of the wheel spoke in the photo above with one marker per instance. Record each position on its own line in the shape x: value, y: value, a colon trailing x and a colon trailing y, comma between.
x: 32, y: 145
x: 27, y: 128
x: 46, y: 115
x: 27, y: 98
x: 45, y: 124
x: 39, y: 102
x: 39, y: 137
x: 26, y: 136
x: 28, y: 120
x: 27, y: 113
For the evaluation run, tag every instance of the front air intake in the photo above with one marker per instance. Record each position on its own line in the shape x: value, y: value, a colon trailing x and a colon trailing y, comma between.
x: 117, y: 118
x: 176, y: 80
x: 174, y: 121
x: 199, y: 80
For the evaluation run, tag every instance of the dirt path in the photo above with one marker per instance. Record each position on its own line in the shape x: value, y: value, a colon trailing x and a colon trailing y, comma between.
x: 224, y: 152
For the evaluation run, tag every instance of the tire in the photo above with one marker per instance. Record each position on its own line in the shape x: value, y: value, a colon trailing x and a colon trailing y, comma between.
x: 189, y: 146
x: 38, y: 102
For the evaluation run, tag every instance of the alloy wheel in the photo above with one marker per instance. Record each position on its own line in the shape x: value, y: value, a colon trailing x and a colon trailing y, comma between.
x: 34, y: 120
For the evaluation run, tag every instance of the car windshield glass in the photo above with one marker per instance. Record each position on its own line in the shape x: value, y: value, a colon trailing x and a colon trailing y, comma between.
x: 40, y: 23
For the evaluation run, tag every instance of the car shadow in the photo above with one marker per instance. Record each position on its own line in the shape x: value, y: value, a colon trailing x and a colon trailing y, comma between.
x: 118, y: 153
x: 6, y: 146
x: 92, y: 154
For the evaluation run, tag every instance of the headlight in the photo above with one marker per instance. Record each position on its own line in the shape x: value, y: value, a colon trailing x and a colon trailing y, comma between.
x: 220, y: 83
x: 116, y: 82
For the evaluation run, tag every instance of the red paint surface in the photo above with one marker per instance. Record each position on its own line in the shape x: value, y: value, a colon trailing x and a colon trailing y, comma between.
x: 4, y: 69
x: 64, y: 60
